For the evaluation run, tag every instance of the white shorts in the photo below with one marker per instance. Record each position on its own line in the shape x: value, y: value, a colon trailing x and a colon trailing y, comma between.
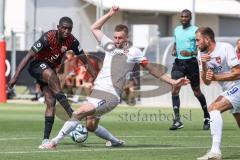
x: 233, y: 95
x: 103, y: 105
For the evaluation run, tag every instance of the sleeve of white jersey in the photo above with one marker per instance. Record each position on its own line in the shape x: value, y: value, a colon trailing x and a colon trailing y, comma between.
x: 232, y: 59
x: 106, y: 43
x: 138, y: 56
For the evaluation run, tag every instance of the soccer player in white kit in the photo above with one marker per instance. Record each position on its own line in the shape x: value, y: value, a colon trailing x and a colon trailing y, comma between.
x: 119, y: 60
x: 219, y: 62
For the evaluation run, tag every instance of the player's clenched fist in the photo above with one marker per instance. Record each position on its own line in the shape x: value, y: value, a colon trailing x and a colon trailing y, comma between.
x: 209, y: 75
x: 205, y: 58
x: 113, y: 10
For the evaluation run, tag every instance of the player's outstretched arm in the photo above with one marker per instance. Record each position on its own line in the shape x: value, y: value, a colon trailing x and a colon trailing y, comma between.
x: 231, y: 76
x: 175, y: 83
x: 209, y: 76
x: 160, y: 73
x: 97, y: 26
x: 20, y: 67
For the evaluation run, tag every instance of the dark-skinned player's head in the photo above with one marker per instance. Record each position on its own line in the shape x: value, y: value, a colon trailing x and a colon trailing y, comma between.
x: 65, y: 26
x: 186, y: 17
x: 120, y: 35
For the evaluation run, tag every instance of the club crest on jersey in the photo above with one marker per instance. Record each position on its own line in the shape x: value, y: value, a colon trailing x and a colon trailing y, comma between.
x: 63, y: 49
x: 218, y: 60
x: 125, y: 51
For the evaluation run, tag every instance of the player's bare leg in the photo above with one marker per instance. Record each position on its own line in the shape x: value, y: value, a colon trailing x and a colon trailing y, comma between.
x: 220, y: 105
x: 100, y: 131
x: 50, y: 77
x: 237, y: 117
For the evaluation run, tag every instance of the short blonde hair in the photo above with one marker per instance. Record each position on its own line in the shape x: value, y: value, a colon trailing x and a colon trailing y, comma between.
x: 121, y: 27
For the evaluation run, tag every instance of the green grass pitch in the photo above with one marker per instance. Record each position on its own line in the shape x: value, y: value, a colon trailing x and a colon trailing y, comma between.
x: 145, y: 131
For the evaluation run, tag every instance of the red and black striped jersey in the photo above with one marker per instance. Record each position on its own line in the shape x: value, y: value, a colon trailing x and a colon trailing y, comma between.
x: 50, y: 50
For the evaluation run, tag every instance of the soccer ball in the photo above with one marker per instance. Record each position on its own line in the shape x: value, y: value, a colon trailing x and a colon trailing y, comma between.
x: 79, y: 134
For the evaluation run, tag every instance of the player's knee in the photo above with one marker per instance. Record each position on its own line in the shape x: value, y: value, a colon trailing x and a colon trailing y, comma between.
x: 55, y: 86
x: 79, y: 114
x: 210, y: 108
x: 50, y: 110
x: 213, y: 107
x: 91, y: 127
x: 50, y: 107
x: 76, y: 115
x: 84, y: 111
x: 50, y: 101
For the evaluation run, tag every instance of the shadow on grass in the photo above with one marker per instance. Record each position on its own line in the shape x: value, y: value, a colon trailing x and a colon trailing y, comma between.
x: 102, y: 145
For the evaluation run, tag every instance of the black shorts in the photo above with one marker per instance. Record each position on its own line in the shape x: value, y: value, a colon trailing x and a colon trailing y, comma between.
x: 188, y: 68
x: 36, y: 69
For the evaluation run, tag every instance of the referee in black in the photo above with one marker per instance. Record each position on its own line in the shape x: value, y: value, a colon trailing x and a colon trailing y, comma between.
x: 186, y: 64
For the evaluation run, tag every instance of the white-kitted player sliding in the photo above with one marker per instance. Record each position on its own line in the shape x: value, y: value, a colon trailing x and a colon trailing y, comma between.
x: 219, y: 62
x: 120, y: 59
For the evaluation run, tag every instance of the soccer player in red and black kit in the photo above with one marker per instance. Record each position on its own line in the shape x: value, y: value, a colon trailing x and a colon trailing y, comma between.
x: 45, y: 55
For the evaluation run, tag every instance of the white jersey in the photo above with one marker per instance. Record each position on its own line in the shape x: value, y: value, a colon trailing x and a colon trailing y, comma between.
x: 223, y: 58
x: 116, y: 65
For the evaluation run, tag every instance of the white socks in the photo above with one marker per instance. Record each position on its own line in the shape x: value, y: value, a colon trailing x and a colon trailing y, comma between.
x: 66, y: 129
x: 72, y: 123
x: 105, y: 134
x: 216, y: 125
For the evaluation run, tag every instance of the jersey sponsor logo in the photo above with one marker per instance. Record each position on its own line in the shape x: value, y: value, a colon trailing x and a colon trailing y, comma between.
x: 53, y: 58
x: 63, y: 49
x: 216, y: 69
x: 110, y: 46
x: 119, y: 52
